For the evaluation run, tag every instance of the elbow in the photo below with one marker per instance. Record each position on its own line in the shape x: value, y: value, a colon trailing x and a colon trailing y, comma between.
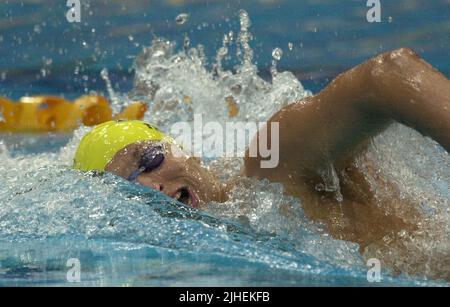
x: 393, y: 64
x: 399, y: 55
x: 402, y: 53
x: 393, y: 60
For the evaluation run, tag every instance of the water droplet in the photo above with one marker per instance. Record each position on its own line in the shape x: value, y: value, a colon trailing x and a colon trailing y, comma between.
x: 244, y: 19
x: 182, y: 19
x: 116, y: 103
x: 277, y: 53
x: 47, y: 61
x: 186, y: 42
x: 290, y: 46
x: 390, y: 19
x: 244, y: 50
x: 226, y: 40
x: 230, y: 36
x: 37, y: 29
x: 222, y: 52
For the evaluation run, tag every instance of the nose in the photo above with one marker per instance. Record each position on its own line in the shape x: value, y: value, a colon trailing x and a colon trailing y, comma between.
x: 159, y: 184
x: 155, y: 186
x: 175, y: 189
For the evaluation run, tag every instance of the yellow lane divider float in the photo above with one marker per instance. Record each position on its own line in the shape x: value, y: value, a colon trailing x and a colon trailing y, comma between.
x: 55, y: 114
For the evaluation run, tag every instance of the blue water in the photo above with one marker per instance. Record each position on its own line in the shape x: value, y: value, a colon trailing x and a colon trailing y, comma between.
x: 124, y: 234
x: 328, y: 37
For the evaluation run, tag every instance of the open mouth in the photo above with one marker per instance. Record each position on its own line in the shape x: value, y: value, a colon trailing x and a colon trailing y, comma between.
x: 186, y: 196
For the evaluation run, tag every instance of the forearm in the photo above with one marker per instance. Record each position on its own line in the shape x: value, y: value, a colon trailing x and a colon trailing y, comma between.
x: 396, y: 85
x: 354, y: 107
x: 409, y: 90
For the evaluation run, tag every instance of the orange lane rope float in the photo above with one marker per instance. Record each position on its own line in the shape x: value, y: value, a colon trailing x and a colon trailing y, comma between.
x: 55, y: 114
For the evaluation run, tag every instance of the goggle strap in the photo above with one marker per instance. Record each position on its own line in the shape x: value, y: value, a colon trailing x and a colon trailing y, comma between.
x: 136, y: 174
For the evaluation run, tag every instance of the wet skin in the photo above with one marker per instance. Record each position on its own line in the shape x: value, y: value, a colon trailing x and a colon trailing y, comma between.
x: 333, y: 128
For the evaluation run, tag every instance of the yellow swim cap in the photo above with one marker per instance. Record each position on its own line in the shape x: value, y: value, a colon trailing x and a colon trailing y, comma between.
x: 98, y: 147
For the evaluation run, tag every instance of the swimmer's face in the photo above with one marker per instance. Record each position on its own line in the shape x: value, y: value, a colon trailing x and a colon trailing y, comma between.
x: 178, y: 176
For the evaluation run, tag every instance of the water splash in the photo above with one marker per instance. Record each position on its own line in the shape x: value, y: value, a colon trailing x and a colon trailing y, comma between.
x: 421, y: 168
x: 258, y: 223
x: 277, y: 53
x: 244, y: 50
x: 115, y: 101
x: 164, y: 78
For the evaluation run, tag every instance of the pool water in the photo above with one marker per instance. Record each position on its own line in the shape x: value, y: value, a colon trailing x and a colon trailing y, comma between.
x: 124, y: 234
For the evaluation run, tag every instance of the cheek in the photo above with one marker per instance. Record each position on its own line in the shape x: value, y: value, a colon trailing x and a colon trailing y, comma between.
x: 150, y: 181
x: 212, y: 189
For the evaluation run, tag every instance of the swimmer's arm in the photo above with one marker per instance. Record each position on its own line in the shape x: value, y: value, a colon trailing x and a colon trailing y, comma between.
x: 337, y: 123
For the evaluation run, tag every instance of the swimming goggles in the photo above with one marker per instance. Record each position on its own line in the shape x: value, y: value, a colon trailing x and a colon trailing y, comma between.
x: 151, y: 159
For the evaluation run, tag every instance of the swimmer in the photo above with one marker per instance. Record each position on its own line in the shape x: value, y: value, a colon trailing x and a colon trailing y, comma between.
x: 333, y: 127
